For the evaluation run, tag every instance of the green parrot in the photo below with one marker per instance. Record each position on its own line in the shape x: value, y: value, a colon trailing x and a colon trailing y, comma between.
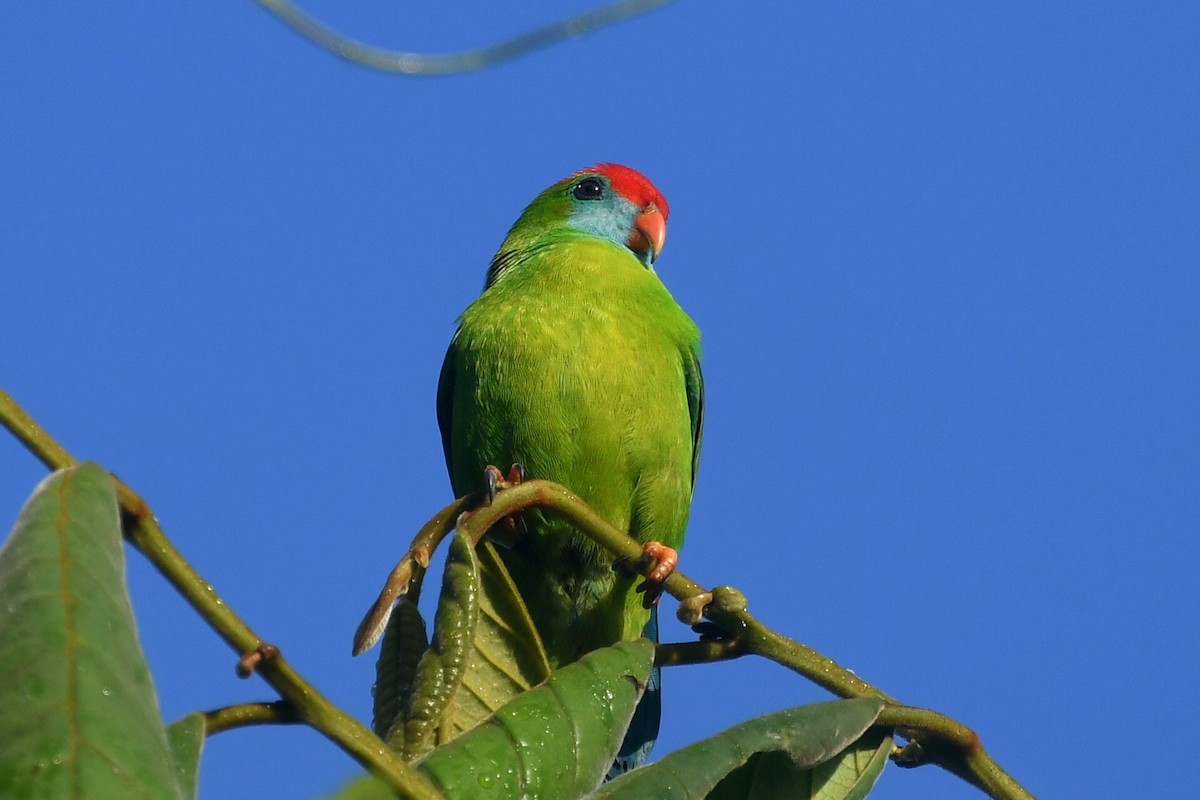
x: 576, y: 364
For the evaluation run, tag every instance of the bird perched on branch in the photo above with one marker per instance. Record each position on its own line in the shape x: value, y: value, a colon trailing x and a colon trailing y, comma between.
x: 577, y: 365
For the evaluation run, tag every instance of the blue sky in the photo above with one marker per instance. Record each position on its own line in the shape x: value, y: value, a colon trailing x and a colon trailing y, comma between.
x: 945, y: 261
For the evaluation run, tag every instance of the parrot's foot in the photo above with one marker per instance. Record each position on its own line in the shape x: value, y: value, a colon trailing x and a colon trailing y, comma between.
x: 665, y: 559
x: 512, y: 528
x: 494, y: 480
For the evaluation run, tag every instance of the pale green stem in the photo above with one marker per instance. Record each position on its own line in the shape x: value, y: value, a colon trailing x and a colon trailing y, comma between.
x: 243, y: 715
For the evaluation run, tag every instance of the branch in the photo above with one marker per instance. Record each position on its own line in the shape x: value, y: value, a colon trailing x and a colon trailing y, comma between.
x: 933, y: 737
x: 143, y: 532
x: 242, y: 715
x: 463, y: 61
x: 406, y: 577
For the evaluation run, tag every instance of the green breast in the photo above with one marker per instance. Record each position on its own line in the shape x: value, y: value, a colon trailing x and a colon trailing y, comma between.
x: 573, y: 364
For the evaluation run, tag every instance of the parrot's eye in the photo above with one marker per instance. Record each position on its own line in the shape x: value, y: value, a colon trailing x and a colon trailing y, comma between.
x: 588, y: 189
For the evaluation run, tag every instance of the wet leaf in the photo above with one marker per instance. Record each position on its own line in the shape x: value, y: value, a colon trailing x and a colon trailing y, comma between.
x: 404, y: 642
x: 439, y: 673
x: 724, y: 767
x: 847, y: 776
x: 553, y: 742
x: 80, y: 717
x: 186, y: 737
x: 508, y: 657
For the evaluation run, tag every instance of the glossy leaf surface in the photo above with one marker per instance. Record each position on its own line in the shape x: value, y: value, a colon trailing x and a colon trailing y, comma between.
x: 716, y: 767
x: 80, y: 718
x: 555, y: 741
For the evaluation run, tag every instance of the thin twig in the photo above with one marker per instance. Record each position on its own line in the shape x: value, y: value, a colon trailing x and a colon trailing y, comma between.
x: 142, y: 531
x: 678, y: 654
x: 241, y: 715
x: 419, y: 64
x: 405, y: 578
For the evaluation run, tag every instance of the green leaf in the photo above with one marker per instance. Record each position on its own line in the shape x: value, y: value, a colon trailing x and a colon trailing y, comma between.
x: 79, y: 717
x: 186, y: 737
x: 851, y: 775
x: 508, y: 656
x: 714, y: 768
x: 502, y: 663
x: 771, y: 775
x: 553, y: 742
x: 440, y: 670
x: 404, y: 642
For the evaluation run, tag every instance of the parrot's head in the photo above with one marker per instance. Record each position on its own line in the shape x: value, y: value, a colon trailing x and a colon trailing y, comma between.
x: 611, y: 201
x: 619, y: 204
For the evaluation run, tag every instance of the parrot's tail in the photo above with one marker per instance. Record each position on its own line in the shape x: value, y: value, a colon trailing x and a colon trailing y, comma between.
x: 643, y: 728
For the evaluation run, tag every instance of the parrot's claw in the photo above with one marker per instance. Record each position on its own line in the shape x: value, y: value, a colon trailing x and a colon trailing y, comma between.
x: 495, y: 481
x: 665, y: 559
x: 492, y: 478
x: 512, y: 528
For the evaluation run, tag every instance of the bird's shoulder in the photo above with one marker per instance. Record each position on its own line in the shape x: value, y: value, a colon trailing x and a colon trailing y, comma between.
x: 570, y: 281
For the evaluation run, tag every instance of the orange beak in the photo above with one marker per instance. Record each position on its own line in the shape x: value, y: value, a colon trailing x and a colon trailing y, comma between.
x: 649, y: 233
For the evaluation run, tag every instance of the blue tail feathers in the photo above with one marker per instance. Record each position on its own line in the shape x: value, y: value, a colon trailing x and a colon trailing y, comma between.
x: 643, y: 728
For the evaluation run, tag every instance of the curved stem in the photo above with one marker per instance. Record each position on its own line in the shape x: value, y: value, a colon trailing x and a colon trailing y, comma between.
x: 241, y: 715
x: 405, y: 578
x: 678, y: 654
x: 938, y: 739
x: 142, y: 531
x: 464, y: 61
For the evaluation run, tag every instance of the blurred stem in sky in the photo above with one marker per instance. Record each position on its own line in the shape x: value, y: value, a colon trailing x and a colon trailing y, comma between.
x: 421, y: 64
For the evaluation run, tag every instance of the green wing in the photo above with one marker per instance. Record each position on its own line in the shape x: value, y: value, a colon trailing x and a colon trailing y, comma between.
x: 445, y: 403
x: 694, y: 381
